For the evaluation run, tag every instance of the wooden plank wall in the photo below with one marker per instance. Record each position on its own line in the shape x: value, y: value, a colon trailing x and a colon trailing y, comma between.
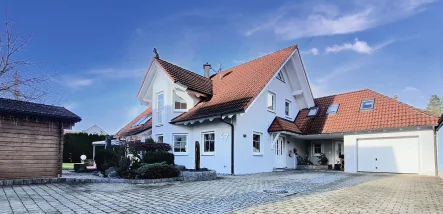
x: 30, y: 149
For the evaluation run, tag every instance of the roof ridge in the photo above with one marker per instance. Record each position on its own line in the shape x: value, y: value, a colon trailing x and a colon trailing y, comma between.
x: 180, y: 67
x: 33, y: 103
x: 252, y: 60
x: 407, y: 105
x: 349, y: 92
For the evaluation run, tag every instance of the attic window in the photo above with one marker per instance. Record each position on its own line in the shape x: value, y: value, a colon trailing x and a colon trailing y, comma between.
x: 332, y: 109
x: 367, y: 104
x: 141, y: 121
x: 312, y: 112
x: 280, y: 76
x: 179, y: 103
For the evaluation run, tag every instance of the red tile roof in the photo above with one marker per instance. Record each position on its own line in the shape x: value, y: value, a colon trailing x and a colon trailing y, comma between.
x: 387, y: 113
x: 238, y: 86
x: 280, y: 124
x: 188, y: 78
x: 129, y: 130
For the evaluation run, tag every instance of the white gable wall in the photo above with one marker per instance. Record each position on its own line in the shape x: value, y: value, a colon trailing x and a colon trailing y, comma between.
x: 257, y: 118
x: 440, y: 151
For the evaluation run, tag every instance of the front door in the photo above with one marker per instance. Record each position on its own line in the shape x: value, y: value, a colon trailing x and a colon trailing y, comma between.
x: 338, y: 150
x: 279, y: 153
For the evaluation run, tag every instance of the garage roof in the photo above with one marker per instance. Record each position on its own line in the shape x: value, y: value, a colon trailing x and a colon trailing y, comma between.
x: 386, y: 113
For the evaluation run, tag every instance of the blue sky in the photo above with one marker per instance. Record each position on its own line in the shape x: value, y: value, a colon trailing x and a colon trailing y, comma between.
x: 97, y: 51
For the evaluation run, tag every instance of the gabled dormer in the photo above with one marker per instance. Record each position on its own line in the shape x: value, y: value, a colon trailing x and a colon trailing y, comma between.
x: 184, y: 82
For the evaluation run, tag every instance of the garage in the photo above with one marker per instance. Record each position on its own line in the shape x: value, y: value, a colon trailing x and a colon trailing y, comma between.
x: 394, y: 155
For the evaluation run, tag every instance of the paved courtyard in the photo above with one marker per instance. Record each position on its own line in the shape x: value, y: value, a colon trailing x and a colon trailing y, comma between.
x: 278, y: 192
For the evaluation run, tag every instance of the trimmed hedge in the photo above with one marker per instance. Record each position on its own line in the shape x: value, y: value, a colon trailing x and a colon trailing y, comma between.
x: 157, y: 170
x: 158, y: 157
x: 77, y: 144
x: 157, y: 147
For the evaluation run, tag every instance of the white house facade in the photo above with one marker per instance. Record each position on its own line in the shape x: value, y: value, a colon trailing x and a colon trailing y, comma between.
x: 261, y: 116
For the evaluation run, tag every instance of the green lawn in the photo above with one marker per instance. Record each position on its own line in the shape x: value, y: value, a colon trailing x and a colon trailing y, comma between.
x: 68, y: 166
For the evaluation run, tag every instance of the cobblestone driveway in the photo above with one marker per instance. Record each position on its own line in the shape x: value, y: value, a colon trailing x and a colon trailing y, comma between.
x: 287, y: 192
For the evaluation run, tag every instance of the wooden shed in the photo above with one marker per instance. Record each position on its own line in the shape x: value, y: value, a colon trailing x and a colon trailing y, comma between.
x: 31, y: 139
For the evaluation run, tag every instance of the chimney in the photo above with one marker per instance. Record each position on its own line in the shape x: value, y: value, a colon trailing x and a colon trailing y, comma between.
x: 207, y: 68
x: 395, y: 97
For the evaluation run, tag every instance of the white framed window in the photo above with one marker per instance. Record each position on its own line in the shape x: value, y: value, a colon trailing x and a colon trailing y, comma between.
x: 257, y: 139
x: 160, y: 107
x: 313, y: 111
x: 208, y: 139
x: 288, y: 108
x: 271, y: 102
x: 159, y: 138
x: 332, y: 109
x: 367, y: 104
x: 280, y: 76
x: 180, y: 144
x: 317, y: 148
x: 179, y: 102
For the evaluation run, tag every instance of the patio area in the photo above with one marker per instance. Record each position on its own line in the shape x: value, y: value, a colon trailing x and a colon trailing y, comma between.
x: 291, y: 191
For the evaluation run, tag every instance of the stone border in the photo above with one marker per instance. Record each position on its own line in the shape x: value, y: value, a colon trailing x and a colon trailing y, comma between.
x: 186, y: 176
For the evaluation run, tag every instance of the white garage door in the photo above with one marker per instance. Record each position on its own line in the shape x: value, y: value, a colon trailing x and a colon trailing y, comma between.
x: 397, y: 155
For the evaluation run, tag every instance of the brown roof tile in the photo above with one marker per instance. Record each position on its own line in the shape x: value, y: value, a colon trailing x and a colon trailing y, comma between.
x: 238, y: 86
x: 387, y: 113
x: 188, y: 78
x: 280, y: 124
x: 129, y: 130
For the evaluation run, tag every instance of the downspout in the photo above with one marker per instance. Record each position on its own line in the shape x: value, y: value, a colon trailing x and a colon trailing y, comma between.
x: 232, y: 142
x: 435, y: 151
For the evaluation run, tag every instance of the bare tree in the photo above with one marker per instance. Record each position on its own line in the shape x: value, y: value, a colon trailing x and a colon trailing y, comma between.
x: 15, y: 80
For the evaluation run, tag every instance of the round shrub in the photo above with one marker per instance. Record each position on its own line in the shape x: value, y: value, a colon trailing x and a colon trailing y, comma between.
x: 157, y: 170
x: 158, y: 157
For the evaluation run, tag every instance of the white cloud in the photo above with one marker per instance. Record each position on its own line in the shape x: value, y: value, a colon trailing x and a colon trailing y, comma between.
x: 118, y: 73
x: 410, y: 89
x: 290, y: 22
x: 134, y: 111
x: 358, y: 46
x: 313, y: 51
x: 79, y: 83
x: 341, y: 70
x: 70, y: 106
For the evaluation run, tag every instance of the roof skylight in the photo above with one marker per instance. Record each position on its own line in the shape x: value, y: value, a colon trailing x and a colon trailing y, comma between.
x: 312, y: 112
x: 332, y: 109
x: 142, y: 121
x: 367, y: 104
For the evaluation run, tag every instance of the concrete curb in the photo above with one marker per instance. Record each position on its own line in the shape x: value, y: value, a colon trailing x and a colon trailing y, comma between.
x: 185, y: 176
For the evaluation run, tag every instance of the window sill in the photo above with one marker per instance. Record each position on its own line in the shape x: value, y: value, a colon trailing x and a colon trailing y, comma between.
x: 288, y: 117
x: 158, y: 125
x: 208, y: 154
x: 316, y: 154
x: 179, y: 111
x: 180, y: 154
x: 272, y: 111
x: 257, y: 154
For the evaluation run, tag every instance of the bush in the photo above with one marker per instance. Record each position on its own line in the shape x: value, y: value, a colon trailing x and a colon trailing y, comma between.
x: 322, y: 159
x: 157, y: 170
x: 157, y: 147
x: 158, y: 157
x: 105, y: 159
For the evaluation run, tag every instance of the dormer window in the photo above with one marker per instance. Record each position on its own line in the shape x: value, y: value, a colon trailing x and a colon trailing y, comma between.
x: 141, y: 121
x: 332, y: 109
x: 179, y: 103
x: 280, y: 76
x: 367, y: 105
x: 312, y: 112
